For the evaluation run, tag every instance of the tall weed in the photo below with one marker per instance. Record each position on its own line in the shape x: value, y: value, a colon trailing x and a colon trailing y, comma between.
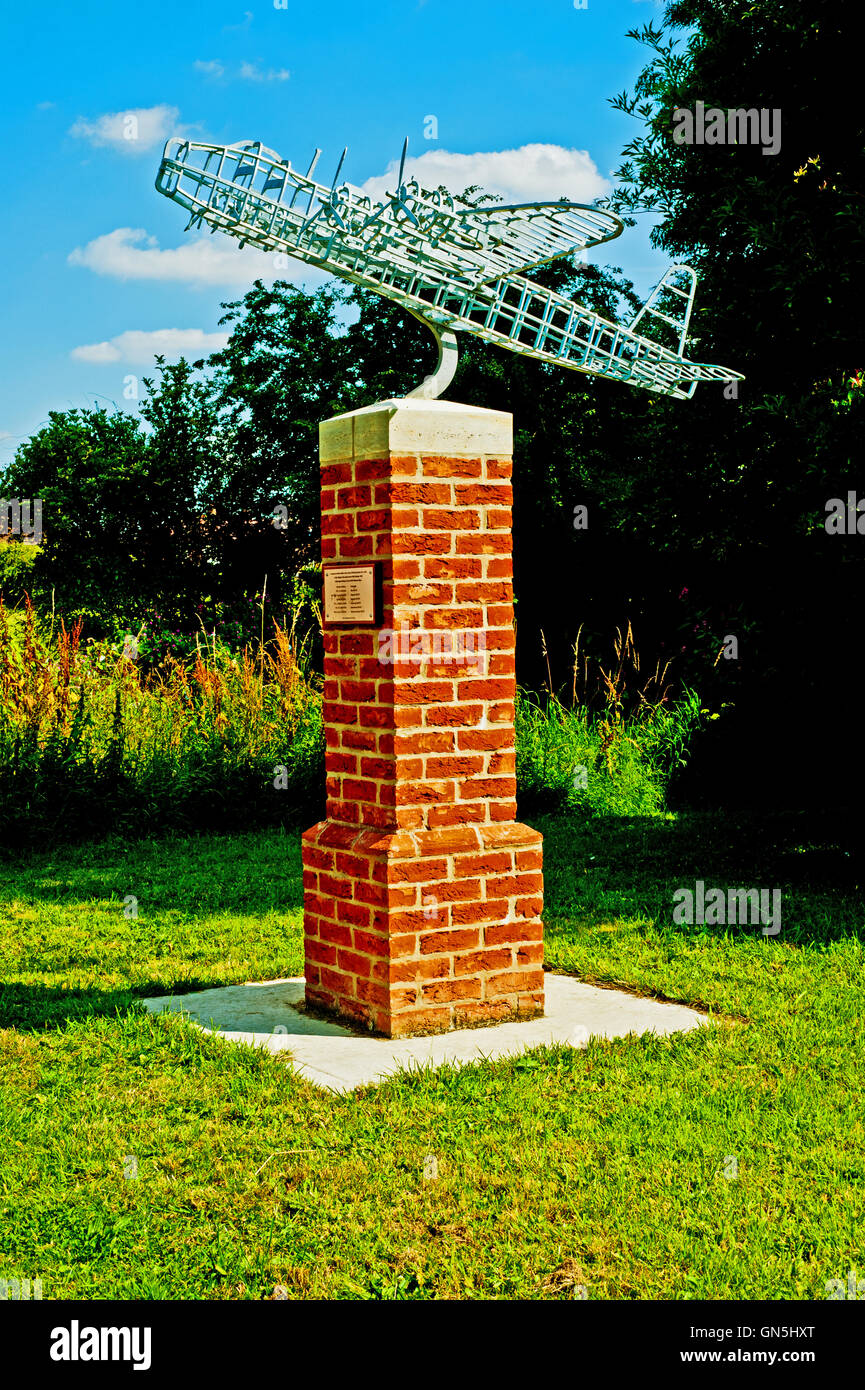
x: 616, y: 748
x: 89, y: 742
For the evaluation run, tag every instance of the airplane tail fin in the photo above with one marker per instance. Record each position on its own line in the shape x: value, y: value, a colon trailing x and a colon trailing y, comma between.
x: 669, y: 306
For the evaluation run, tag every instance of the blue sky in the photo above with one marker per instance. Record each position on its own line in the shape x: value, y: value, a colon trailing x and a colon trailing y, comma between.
x: 97, y: 271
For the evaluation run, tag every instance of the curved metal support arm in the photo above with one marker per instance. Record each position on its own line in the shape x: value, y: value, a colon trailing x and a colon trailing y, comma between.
x: 432, y: 386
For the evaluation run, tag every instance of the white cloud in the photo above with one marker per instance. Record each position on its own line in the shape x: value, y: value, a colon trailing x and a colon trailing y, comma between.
x: 136, y: 346
x: 4, y: 434
x: 130, y: 132
x: 130, y: 254
x: 247, y: 72
x: 532, y: 173
x: 250, y: 73
x: 236, y: 28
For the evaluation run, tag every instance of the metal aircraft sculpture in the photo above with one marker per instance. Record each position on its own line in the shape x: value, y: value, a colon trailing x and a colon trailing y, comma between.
x: 456, y: 268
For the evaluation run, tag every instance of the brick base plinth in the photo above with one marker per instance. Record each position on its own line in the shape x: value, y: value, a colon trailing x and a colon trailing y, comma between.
x: 414, y: 932
x: 422, y: 893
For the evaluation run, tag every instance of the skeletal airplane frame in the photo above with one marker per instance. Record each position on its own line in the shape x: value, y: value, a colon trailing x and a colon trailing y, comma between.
x: 456, y: 268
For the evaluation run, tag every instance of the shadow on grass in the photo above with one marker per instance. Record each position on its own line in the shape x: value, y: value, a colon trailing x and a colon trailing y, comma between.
x: 630, y: 867
x: 36, y: 1008
x: 32, y: 1008
x: 68, y: 805
x: 256, y: 871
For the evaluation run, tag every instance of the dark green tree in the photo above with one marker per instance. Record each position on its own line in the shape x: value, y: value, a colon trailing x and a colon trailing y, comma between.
x: 779, y: 243
x: 89, y: 469
x: 287, y: 366
x: 130, y: 510
x: 738, y: 487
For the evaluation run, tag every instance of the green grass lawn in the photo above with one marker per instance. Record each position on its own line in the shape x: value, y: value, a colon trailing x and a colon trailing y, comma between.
x: 729, y: 1163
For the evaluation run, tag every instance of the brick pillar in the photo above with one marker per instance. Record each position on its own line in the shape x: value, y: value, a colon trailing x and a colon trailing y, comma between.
x: 422, y: 893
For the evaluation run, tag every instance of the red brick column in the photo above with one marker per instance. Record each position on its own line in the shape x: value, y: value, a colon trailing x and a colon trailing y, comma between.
x: 422, y: 894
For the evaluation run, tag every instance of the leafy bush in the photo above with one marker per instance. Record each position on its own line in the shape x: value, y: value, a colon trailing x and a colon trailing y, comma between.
x: 16, y: 569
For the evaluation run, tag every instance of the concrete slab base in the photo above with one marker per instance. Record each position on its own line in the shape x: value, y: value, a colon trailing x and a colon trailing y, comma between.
x: 339, y: 1059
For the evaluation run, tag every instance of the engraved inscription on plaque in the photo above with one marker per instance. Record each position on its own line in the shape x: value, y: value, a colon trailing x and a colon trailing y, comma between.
x: 350, y: 593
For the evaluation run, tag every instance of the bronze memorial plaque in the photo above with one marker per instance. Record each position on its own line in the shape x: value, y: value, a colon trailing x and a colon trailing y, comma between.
x: 350, y: 593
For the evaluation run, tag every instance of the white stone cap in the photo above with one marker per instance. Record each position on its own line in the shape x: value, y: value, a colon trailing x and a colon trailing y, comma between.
x: 414, y: 426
